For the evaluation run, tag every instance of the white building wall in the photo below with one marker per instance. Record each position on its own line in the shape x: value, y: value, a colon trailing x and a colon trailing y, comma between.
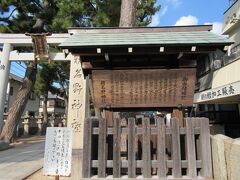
x: 53, y: 110
x: 227, y: 74
x: 32, y: 105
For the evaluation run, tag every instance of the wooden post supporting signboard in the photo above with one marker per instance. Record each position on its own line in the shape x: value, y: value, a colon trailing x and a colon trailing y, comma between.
x: 179, y: 115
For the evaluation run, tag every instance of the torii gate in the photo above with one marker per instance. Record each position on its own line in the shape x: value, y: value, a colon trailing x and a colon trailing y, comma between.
x: 9, y: 41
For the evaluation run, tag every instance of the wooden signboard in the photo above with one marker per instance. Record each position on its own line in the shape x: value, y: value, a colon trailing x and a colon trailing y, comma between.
x: 143, y: 88
x: 58, y: 151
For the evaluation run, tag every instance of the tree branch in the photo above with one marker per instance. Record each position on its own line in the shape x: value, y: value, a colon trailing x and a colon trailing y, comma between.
x: 39, y: 5
x: 91, y: 4
x: 6, y: 19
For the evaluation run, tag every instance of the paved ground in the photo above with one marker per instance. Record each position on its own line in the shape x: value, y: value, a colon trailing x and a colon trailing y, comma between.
x: 23, y: 159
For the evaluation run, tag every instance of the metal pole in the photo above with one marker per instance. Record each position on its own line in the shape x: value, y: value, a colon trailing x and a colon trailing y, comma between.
x: 4, y: 74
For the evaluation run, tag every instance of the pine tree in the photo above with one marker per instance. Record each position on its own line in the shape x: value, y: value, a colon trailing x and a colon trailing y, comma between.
x: 46, y: 76
x: 37, y: 16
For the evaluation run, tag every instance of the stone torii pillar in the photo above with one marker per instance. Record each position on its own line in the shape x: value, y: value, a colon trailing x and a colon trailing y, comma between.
x: 4, y: 74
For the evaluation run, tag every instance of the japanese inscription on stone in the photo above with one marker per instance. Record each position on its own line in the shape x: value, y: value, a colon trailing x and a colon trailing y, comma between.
x: 2, y: 66
x: 58, y: 151
x: 143, y: 88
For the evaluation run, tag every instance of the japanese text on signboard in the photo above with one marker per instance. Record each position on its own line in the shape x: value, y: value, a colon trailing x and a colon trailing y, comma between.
x: 143, y: 88
x: 218, y: 93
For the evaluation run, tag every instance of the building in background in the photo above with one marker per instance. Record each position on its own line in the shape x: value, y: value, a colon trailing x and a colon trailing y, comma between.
x: 14, y: 85
x: 218, y: 92
x: 55, y: 105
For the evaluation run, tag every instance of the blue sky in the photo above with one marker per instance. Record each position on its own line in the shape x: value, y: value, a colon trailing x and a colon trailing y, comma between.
x: 191, y: 12
x: 18, y: 69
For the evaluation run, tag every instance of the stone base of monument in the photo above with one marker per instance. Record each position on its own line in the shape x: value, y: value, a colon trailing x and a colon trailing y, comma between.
x: 4, y: 146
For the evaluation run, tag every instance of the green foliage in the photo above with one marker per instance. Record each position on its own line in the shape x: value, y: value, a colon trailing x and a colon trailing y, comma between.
x: 107, y: 13
x: 22, y: 15
x: 46, y: 76
x: 72, y: 13
x: 58, y: 16
x: 145, y: 10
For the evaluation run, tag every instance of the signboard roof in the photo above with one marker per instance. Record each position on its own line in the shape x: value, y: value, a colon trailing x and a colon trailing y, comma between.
x: 144, y: 38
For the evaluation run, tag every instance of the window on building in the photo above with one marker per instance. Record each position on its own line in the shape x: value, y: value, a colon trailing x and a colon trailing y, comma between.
x: 31, y: 113
x: 59, y: 103
x: 41, y: 104
x: 51, y: 103
x: 203, y: 66
x: 11, y: 91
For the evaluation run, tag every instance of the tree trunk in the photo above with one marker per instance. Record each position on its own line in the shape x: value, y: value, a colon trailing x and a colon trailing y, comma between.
x: 128, y: 13
x: 45, y: 113
x: 127, y: 17
x: 66, y: 105
x: 20, y: 102
x: 63, y: 91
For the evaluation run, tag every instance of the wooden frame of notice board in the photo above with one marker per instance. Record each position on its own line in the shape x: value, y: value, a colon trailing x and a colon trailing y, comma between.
x: 145, y: 88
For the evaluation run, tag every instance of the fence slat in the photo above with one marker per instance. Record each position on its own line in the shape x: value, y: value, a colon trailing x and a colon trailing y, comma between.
x: 86, y: 169
x: 116, y: 148
x: 146, y: 146
x: 161, y: 148
x: 102, y: 148
x: 205, y: 149
x: 131, y: 148
x: 191, y: 151
x: 176, y: 154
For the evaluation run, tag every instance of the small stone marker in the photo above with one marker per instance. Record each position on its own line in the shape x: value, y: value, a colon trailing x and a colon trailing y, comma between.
x: 58, y: 151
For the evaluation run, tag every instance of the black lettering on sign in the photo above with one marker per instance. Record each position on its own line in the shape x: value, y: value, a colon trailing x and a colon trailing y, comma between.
x: 165, y: 88
x: 103, y: 92
x: 77, y: 60
x: 121, y: 87
x: 231, y: 89
x: 77, y: 88
x: 78, y: 73
x: 76, y: 105
x: 131, y: 89
x: 112, y: 89
x: 143, y: 88
x: 76, y: 125
x: 184, y: 87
